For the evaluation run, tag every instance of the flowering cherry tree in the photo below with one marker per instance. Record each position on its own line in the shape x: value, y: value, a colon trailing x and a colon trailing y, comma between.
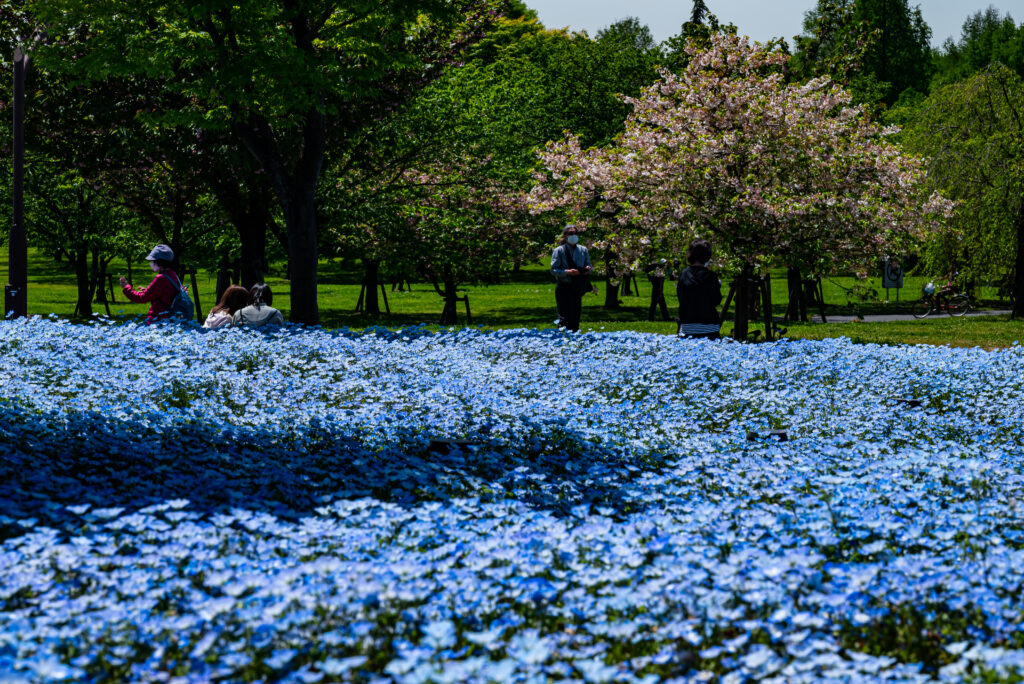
x: 766, y: 169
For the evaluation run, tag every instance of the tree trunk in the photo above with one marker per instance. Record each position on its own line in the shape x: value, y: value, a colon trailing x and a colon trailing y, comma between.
x: 796, y: 310
x: 252, y: 238
x: 625, y: 285
x: 83, y: 278
x: 296, y: 194
x: 223, y: 276
x: 449, y: 315
x: 249, y: 211
x: 1018, y: 271
x: 99, y: 265
x: 743, y: 291
x: 300, y: 218
x: 611, y: 294
x: 371, y: 276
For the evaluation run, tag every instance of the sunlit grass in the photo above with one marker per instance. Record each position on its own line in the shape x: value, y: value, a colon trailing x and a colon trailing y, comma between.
x: 526, y: 300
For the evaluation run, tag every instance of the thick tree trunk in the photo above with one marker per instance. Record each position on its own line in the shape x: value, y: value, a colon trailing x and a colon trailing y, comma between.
x: 99, y: 267
x: 611, y: 294
x: 223, y: 275
x: 371, y: 276
x: 296, y: 194
x: 300, y: 218
x: 252, y: 238
x: 249, y: 211
x: 449, y: 315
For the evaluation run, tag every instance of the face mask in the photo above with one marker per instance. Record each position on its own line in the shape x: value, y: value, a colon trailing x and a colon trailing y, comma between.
x: 155, y: 266
x: 573, y: 239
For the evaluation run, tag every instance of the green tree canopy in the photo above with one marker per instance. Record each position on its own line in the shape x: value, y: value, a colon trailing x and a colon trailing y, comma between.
x: 987, y: 37
x: 880, y: 48
x: 973, y: 131
x: 290, y: 78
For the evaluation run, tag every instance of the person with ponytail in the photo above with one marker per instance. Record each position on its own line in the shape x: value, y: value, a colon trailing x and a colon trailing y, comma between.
x: 259, y: 313
x: 234, y: 299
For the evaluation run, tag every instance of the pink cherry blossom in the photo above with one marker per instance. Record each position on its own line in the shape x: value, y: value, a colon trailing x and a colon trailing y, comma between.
x: 768, y: 170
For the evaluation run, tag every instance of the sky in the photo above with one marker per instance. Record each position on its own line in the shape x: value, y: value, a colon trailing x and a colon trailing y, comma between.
x: 759, y: 19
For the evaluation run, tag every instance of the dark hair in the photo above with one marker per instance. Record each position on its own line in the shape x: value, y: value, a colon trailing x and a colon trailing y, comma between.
x: 164, y: 263
x: 699, y: 252
x: 233, y: 299
x: 261, y: 294
x: 565, y: 234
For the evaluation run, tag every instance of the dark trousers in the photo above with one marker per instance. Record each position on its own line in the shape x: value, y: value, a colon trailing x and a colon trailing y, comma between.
x: 658, y: 299
x: 570, y: 306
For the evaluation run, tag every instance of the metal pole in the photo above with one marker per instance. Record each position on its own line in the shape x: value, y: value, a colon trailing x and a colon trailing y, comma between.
x: 16, y: 292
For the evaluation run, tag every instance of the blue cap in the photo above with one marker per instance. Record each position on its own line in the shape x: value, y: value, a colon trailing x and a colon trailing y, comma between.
x: 161, y: 252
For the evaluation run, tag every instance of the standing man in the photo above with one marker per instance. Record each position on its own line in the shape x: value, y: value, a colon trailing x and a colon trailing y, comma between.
x: 570, y: 264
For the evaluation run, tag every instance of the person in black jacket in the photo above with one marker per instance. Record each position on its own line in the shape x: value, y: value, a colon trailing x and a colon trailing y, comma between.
x: 700, y: 293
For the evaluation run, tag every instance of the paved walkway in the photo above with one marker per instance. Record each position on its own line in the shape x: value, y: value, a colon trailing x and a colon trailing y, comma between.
x: 883, y: 318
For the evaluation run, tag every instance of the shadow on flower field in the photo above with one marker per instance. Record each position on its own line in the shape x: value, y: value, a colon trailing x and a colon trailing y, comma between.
x: 50, y: 465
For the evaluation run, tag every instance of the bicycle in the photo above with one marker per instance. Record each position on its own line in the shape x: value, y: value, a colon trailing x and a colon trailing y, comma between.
x: 941, y: 301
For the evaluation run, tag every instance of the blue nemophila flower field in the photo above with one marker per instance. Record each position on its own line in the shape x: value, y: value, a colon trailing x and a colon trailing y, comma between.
x: 177, y: 505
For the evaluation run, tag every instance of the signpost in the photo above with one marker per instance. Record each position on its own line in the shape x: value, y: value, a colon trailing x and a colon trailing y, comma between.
x: 892, y: 276
x: 16, y: 291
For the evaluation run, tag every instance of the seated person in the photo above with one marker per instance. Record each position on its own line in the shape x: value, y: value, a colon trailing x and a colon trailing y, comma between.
x: 234, y: 299
x: 259, y: 313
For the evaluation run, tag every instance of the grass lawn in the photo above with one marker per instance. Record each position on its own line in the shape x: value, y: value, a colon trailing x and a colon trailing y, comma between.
x: 527, y: 300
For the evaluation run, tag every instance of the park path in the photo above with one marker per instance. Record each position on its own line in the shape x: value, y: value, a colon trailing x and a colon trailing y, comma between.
x: 884, y: 318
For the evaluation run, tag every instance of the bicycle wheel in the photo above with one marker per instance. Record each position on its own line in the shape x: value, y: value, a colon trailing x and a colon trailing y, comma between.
x: 959, y: 305
x: 921, y: 308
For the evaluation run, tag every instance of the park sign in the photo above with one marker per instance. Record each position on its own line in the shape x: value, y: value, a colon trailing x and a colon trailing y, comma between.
x: 892, y: 273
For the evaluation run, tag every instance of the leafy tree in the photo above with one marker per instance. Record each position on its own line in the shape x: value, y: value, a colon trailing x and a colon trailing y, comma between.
x: 105, y: 132
x: 879, y: 48
x: 987, y: 37
x: 628, y: 34
x: 438, y: 195
x: 834, y: 44
x: 676, y: 49
x: 973, y: 131
x: 72, y: 221
x: 699, y: 13
x: 285, y: 76
x: 586, y: 78
x: 768, y: 170
x: 410, y: 198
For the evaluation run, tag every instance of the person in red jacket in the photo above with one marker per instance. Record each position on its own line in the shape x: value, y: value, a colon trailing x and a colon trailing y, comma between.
x: 164, y: 288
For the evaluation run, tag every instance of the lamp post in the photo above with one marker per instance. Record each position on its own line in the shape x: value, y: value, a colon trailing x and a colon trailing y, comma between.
x: 16, y: 291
